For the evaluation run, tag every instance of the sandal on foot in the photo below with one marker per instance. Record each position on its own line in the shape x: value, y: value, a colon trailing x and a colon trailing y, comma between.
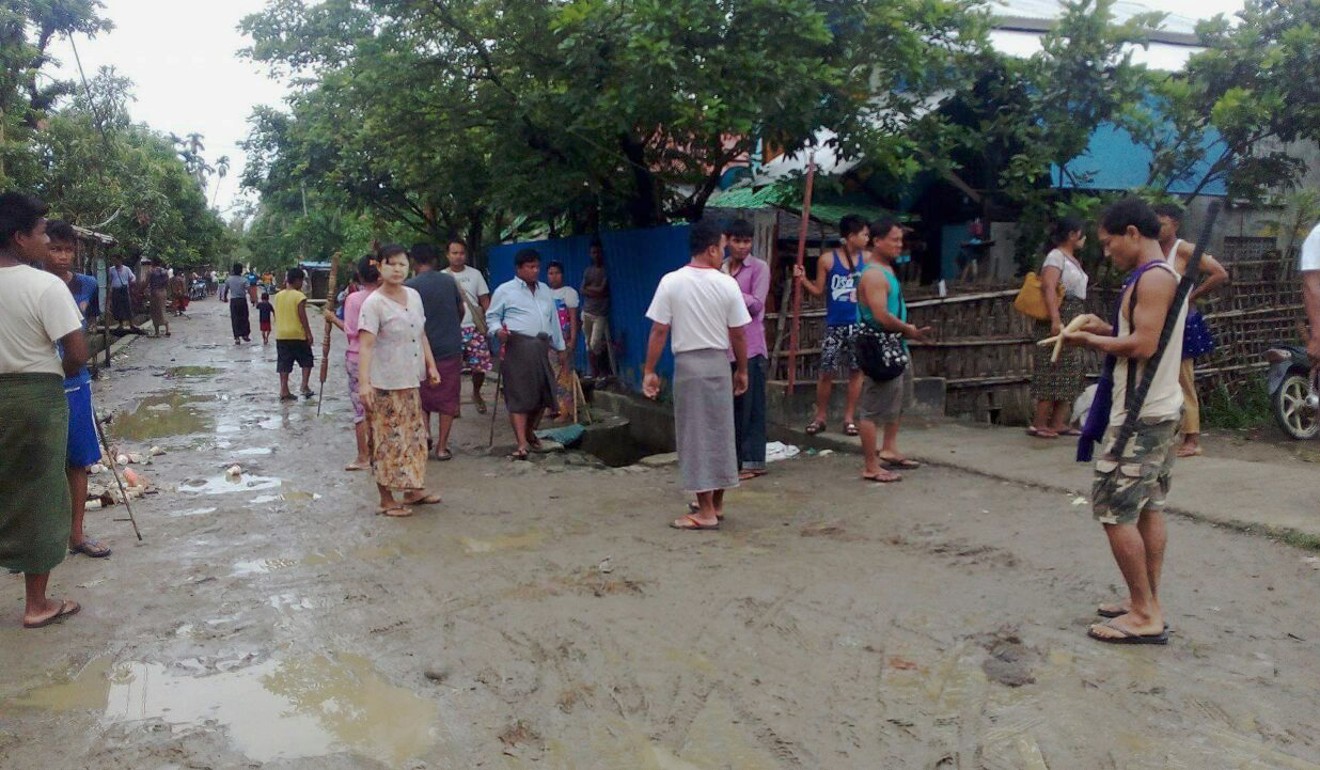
x: 693, y: 508
x: 692, y: 524
x: 518, y: 454
x: 749, y: 475
x: 815, y: 426
x: 1069, y: 432
x: 882, y: 479
x: 1125, y: 636
x: 67, y: 607
x: 90, y: 548
x: 481, y: 406
x: 1042, y: 433
x: 850, y: 429
x: 900, y: 462
x: 445, y: 455
x: 431, y: 499
x: 395, y: 512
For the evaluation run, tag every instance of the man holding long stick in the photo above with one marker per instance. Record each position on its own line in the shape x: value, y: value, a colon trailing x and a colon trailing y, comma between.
x: 1131, y: 482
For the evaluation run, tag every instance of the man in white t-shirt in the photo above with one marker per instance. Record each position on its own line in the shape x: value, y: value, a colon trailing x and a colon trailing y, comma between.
x: 1310, y: 267
x: 37, y: 314
x: 704, y: 308
x: 476, y: 300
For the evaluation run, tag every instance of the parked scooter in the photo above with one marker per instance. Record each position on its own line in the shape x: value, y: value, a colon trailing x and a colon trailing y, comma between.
x: 1293, y: 391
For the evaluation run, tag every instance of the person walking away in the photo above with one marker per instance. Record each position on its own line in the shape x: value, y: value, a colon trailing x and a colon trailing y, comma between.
x: 476, y: 300
x: 158, y: 282
x: 880, y: 307
x: 1132, y: 482
x: 1055, y: 385
x: 753, y: 277
x: 527, y: 324
x: 836, y: 278
x: 1197, y: 340
x: 566, y: 305
x: 705, y: 311
x: 293, y: 335
x: 596, y: 312
x: 83, y: 451
x: 395, y: 358
x: 121, y: 279
x: 36, y: 313
x: 367, y: 277
x: 253, y: 281
x: 443, y: 304
x: 179, y: 293
x: 266, y: 311
x: 1309, y: 265
x: 234, y: 291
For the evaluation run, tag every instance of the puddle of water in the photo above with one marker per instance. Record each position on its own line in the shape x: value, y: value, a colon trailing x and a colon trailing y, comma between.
x: 182, y: 372
x: 191, y: 512
x: 159, y: 416
x: 526, y: 540
x: 256, y: 451
x: 261, y: 566
x: 218, y: 485
x: 289, y: 709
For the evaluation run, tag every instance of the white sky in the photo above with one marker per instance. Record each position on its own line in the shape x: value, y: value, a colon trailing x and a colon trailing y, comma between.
x: 182, y: 58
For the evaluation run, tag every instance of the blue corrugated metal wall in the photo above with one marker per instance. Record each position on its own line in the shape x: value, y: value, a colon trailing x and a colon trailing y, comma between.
x: 1113, y: 161
x: 635, y: 260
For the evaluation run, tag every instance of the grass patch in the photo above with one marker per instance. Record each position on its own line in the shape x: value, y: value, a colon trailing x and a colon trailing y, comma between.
x: 1248, y: 407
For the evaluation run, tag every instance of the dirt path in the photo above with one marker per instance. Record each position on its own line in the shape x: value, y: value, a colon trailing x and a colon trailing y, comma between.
x: 544, y: 617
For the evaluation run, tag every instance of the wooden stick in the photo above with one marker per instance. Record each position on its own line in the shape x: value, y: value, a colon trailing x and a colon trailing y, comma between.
x: 803, y: 226
x: 332, y: 285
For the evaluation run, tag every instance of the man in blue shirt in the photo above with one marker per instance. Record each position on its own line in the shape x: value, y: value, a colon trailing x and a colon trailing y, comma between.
x: 84, y: 451
x: 523, y: 314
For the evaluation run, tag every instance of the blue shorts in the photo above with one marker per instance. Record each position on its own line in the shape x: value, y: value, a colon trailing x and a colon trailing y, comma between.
x: 83, y: 447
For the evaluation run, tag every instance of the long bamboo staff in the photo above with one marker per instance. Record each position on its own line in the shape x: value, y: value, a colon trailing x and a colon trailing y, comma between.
x: 112, y: 465
x: 499, y: 385
x: 797, y: 287
x: 325, y: 343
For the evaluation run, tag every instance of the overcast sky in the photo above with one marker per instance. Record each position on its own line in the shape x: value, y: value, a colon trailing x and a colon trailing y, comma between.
x: 182, y: 57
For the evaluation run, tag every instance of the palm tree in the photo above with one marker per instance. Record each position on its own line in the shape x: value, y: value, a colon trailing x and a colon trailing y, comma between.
x: 221, y: 171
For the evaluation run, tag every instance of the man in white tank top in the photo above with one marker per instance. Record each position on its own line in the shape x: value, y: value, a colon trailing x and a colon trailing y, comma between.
x: 1131, y: 482
x: 1177, y: 251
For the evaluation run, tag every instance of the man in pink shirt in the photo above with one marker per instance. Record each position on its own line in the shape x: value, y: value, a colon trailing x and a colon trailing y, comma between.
x: 753, y: 278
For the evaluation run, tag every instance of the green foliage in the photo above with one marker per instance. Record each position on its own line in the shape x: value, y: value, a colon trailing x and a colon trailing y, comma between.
x: 1248, y: 408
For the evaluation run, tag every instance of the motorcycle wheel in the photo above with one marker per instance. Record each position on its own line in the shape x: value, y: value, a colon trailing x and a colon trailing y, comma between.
x: 1291, y: 411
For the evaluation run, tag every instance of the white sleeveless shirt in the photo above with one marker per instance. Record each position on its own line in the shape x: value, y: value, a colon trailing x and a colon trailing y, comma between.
x: 1164, y: 400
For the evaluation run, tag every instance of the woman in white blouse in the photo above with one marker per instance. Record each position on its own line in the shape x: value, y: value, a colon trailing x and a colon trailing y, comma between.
x: 394, y: 359
x: 1056, y: 384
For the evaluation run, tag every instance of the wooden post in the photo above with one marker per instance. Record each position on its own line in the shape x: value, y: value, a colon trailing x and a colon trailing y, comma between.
x: 797, y: 287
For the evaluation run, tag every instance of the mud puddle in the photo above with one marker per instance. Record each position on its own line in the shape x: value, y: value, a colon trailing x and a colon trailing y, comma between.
x: 281, y: 709
x: 191, y: 372
x: 225, y: 484
x: 167, y: 414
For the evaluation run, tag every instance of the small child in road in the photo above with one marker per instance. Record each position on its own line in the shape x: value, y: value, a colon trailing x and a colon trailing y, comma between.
x: 266, y: 310
x: 293, y: 335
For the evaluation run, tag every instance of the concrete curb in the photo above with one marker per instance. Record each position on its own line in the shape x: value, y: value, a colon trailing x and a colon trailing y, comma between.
x: 116, y: 347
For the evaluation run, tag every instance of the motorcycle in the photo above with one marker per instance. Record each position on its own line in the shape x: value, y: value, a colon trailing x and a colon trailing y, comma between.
x: 1294, y: 394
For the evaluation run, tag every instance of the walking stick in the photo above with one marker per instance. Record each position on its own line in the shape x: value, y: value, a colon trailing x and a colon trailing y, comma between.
x: 110, y: 456
x: 580, y: 397
x: 797, y: 287
x: 1189, y: 278
x: 325, y: 344
x: 499, y: 383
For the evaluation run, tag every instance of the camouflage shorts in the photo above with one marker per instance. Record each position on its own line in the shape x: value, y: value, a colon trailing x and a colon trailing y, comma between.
x: 1140, y: 480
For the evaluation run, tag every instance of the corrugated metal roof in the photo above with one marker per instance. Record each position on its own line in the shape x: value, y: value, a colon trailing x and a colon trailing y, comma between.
x: 1123, y: 10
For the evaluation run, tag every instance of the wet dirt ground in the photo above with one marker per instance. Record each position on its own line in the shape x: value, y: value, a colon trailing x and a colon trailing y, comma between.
x: 544, y: 616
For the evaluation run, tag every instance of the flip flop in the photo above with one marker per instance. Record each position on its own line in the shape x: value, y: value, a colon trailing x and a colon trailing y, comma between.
x: 691, y: 524
x: 481, y: 407
x: 289, y: 397
x: 1104, y: 613
x: 1044, y: 433
x: 445, y: 455
x: 431, y: 499
x: 893, y: 479
x: 91, y: 548
x: 1069, y: 432
x: 850, y: 429
x: 1127, y: 637
x: 403, y: 511
x: 356, y: 467
x: 904, y: 463
x: 67, y: 607
x: 749, y: 475
x: 693, y: 508
x: 1192, y: 453
x: 518, y: 454
x: 815, y: 426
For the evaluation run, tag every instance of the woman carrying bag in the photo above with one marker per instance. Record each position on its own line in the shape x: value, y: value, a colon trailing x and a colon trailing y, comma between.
x: 1056, y: 384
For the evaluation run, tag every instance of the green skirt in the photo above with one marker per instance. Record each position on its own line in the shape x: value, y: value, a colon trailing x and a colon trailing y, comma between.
x: 35, y: 508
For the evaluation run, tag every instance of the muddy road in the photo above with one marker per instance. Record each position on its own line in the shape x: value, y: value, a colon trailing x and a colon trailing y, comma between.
x: 545, y: 617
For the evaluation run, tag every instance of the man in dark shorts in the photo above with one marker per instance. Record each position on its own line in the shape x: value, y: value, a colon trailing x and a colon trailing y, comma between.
x: 1132, y: 481
x: 293, y: 335
x: 444, y: 332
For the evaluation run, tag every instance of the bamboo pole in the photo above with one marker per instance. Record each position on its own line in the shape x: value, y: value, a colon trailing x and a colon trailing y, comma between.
x: 332, y: 287
x: 801, y: 257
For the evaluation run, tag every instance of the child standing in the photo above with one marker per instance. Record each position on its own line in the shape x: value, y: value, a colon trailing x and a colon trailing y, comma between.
x: 293, y: 334
x: 394, y: 358
x: 266, y: 310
